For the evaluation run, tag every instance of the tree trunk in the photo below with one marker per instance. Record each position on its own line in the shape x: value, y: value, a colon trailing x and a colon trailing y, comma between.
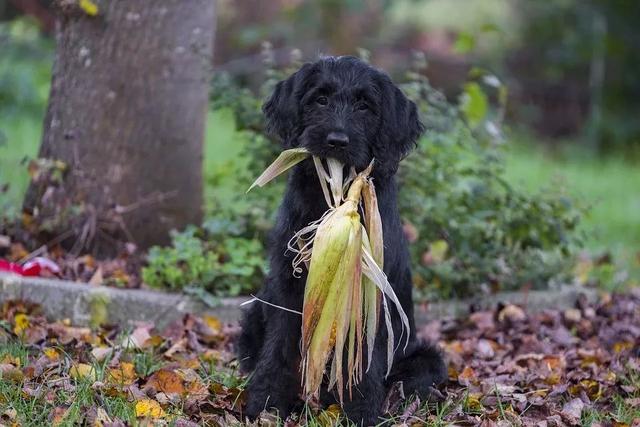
x: 126, y: 115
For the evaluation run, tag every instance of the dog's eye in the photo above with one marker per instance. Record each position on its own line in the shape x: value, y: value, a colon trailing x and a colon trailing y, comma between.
x: 362, y: 106
x: 322, y: 100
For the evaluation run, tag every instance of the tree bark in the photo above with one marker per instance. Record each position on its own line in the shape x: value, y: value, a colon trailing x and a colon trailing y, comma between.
x: 126, y: 114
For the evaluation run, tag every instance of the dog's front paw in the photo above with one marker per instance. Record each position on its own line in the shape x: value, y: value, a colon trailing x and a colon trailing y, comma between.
x: 254, y: 406
x: 261, y: 399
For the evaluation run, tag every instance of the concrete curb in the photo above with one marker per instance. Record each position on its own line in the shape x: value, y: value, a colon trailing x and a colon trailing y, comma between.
x: 533, y: 301
x: 63, y: 299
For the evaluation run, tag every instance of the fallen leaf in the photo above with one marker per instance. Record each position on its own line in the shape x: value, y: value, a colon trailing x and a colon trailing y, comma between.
x: 124, y: 374
x: 166, y: 381
x: 82, y: 371
x: 57, y: 415
x: 52, y: 354
x: 472, y: 402
x: 621, y: 346
x: 138, y: 338
x: 149, y: 408
x: 21, y: 322
x: 213, y: 323
x: 484, y: 349
x: 572, y: 411
x: 572, y: 315
x: 97, y: 417
x: 467, y: 376
x: 512, y: 313
x: 10, y: 373
x: 101, y: 353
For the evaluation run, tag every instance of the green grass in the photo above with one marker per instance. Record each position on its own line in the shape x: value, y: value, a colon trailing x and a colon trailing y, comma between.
x: 21, y: 139
x: 609, y: 186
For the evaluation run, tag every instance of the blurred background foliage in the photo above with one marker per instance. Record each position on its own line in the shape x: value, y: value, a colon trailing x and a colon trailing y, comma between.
x: 531, y: 153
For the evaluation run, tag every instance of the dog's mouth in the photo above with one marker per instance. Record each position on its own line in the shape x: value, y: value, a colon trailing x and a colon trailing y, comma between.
x: 341, y: 155
x: 345, y: 168
x: 355, y: 154
x: 342, y: 158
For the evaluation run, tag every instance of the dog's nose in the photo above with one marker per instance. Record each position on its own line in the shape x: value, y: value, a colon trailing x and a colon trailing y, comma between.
x: 337, y: 139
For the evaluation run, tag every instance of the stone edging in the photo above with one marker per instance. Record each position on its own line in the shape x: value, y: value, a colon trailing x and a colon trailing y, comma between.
x: 63, y: 299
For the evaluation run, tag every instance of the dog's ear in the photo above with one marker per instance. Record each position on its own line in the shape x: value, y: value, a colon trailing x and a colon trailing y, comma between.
x: 282, y: 109
x: 400, y: 128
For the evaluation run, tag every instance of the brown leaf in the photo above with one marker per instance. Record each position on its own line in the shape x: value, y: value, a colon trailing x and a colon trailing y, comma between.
x: 123, y: 374
x: 10, y: 373
x: 394, y: 398
x: 138, y: 338
x: 512, y: 313
x: 166, y: 381
x: 101, y: 353
x: 635, y: 402
x: 467, y: 376
x: 484, y: 349
x: 572, y: 411
x: 97, y: 417
x: 483, y: 320
x: 411, y: 409
x: 57, y: 415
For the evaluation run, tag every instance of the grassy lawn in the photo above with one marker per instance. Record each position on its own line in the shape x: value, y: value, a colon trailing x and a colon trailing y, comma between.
x: 21, y: 139
x: 610, y: 187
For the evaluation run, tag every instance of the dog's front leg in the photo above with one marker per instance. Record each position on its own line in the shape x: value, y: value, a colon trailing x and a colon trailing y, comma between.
x: 275, y: 382
x: 364, y: 406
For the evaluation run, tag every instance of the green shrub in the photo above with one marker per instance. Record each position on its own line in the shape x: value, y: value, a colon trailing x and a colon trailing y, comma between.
x: 221, y: 265
x: 471, y: 231
x: 474, y: 231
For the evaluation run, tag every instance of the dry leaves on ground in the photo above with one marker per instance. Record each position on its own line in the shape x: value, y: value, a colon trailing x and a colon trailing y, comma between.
x: 506, y: 367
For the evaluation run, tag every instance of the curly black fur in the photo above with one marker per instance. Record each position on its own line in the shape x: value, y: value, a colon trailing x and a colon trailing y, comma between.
x: 342, y: 108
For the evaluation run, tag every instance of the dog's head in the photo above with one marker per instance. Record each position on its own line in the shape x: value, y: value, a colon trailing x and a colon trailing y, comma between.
x: 343, y: 108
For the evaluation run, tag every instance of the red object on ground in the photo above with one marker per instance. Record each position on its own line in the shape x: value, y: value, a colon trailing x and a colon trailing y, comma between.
x: 30, y: 268
x: 11, y: 267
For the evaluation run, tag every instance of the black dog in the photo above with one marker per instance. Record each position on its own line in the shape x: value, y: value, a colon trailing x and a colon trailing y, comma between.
x: 342, y: 108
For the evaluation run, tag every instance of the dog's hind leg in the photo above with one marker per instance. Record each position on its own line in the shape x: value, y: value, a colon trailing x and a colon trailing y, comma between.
x: 252, y: 337
x: 420, y: 368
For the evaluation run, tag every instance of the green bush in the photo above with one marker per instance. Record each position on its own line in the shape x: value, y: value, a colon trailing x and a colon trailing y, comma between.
x: 203, y: 260
x: 470, y: 230
x: 473, y: 231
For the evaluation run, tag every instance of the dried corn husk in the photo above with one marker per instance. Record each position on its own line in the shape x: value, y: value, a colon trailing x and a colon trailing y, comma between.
x: 346, y: 288
x: 285, y: 161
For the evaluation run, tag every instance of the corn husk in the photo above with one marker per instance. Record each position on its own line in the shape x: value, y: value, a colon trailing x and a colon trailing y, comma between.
x: 285, y: 161
x: 346, y: 290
